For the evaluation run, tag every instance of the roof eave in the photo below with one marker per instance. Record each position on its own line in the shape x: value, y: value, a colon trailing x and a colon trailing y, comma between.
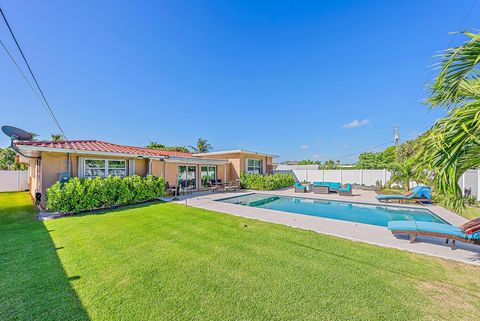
x: 84, y: 152
x: 236, y: 151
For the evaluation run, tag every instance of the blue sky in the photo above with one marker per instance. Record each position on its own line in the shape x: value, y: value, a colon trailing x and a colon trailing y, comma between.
x: 301, y: 79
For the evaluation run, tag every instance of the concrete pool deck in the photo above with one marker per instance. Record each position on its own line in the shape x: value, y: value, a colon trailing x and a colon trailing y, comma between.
x: 359, y: 232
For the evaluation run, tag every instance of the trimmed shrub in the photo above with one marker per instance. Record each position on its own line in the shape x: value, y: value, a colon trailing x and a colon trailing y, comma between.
x: 81, y: 194
x: 266, y: 182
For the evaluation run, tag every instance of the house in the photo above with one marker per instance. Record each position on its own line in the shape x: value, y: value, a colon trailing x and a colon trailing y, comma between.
x: 52, y: 161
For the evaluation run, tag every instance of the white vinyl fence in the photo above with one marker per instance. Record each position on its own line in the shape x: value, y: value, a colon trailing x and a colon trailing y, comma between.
x: 13, y: 181
x: 469, y: 181
x: 368, y: 177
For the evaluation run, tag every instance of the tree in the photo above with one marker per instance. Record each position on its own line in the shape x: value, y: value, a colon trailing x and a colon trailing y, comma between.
x: 155, y: 145
x: 452, y: 145
x: 309, y: 162
x: 403, y: 173
x: 8, y: 160
x: 379, y: 160
x: 329, y: 164
x: 202, y: 146
x: 34, y: 136
x: 56, y: 137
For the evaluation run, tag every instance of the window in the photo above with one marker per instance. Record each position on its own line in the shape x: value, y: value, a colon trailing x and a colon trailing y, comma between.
x: 209, y: 173
x: 105, y: 167
x: 254, y: 166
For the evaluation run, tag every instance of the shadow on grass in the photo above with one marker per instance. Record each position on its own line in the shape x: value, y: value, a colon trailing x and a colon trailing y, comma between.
x: 33, y: 283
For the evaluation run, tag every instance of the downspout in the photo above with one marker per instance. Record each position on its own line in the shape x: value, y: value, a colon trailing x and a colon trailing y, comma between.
x: 69, y: 165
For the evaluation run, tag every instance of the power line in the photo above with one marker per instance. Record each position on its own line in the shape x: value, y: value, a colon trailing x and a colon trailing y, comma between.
x: 23, y: 74
x: 364, y: 151
x: 33, y: 75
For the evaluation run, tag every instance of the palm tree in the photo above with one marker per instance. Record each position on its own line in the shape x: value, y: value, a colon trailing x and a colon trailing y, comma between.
x: 56, y: 137
x: 34, y: 136
x: 202, y: 146
x: 452, y: 145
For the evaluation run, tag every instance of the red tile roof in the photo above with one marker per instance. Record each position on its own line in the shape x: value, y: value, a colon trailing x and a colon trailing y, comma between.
x: 101, y: 146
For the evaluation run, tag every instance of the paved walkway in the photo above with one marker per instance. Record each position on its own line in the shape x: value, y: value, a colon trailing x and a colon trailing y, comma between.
x: 350, y: 230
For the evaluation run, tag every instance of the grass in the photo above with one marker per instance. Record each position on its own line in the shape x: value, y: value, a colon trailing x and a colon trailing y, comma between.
x: 168, y: 261
x: 471, y: 212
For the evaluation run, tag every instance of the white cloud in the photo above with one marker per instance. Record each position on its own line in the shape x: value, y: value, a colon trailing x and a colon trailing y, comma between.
x: 316, y: 156
x: 356, y: 123
x: 304, y: 146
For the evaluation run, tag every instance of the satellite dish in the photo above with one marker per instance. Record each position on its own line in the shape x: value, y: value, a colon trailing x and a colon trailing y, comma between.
x: 16, y: 133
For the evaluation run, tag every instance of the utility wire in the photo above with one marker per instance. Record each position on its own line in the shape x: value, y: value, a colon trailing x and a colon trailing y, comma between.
x: 23, y: 74
x: 33, y: 75
x: 364, y: 151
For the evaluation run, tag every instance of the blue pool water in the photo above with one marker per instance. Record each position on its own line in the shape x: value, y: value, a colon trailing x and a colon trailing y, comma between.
x: 355, y: 212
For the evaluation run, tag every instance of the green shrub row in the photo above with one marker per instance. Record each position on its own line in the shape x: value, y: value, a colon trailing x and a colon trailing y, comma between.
x: 80, y: 194
x: 266, y: 182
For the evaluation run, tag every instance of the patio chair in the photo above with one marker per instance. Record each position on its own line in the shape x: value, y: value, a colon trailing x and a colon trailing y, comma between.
x: 170, y: 190
x: 449, y: 232
x: 212, y: 188
x: 299, y: 188
x: 419, y: 194
x: 345, y: 190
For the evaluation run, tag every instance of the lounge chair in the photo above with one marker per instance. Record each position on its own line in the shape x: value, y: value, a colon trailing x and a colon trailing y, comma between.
x: 420, y: 194
x: 417, y: 228
x: 345, y: 190
x: 299, y: 188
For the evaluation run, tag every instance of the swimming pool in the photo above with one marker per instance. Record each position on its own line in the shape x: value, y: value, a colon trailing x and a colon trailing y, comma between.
x: 355, y: 212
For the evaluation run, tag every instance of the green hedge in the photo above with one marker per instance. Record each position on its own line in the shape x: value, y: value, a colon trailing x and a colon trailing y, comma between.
x: 78, y: 194
x: 266, y: 182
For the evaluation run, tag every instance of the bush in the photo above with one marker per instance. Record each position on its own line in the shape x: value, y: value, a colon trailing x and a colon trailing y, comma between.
x: 80, y: 194
x: 266, y: 182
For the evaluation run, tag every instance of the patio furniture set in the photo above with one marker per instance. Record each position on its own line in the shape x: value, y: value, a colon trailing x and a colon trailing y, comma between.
x: 212, y: 186
x: 324, y: 188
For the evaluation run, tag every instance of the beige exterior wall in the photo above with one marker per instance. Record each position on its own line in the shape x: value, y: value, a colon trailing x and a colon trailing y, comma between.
x: 33, y: 171
x: 141, y: 167
x: 238, y: 162
x: 51, y: 165
x: 158, y: 168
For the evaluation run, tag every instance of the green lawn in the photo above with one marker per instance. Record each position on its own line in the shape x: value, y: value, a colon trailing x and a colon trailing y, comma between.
x: 167, y: 261
x: 471, y: 212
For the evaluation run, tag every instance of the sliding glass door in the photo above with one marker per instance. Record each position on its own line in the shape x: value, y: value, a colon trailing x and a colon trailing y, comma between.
x: 187, y: 177
x: 209, y: 174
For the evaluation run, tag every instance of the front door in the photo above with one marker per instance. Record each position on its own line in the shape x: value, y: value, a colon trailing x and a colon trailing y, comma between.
x: 187, y: 177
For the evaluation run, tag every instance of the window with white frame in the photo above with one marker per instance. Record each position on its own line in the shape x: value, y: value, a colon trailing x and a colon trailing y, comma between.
x: 254, y: 166
x: 105, y: 167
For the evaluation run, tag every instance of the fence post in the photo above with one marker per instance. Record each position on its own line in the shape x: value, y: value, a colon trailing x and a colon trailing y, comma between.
x: 361, y: 176
x: 478, y: 184
x: 341, y: 177
x: 463, y: 183
x: 384, y: 177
